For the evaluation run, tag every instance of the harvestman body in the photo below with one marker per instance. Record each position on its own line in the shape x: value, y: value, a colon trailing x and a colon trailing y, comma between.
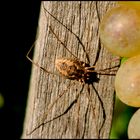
x: 73, y: 69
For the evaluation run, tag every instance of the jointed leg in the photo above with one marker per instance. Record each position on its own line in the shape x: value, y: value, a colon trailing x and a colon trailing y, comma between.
x: 35, y: 62
x: 102, y: 106
x: 43, y: 122
x: 62, y: 42
x: 69, y: 31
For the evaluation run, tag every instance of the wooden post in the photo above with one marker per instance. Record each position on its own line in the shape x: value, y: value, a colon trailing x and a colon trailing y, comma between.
x: 85, y: 119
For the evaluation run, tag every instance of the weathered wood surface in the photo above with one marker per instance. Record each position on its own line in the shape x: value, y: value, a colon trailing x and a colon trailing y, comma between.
x: 84, y: 119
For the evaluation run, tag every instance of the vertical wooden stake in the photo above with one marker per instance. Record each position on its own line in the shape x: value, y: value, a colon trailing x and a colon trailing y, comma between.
x: 84, y: 119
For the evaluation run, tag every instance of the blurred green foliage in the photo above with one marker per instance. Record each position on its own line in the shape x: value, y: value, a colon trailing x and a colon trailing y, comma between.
x: 121, y: 118
x: 1, y: 101
x: 123, y: 59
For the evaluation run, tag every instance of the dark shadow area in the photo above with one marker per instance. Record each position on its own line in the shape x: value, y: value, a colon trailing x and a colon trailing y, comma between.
x: 19, y: 22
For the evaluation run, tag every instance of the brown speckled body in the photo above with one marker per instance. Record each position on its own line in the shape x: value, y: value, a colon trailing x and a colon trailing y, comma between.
x: 74, y: 69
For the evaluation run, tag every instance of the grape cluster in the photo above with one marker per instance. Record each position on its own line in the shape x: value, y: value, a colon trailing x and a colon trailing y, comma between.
x: 120, y: 34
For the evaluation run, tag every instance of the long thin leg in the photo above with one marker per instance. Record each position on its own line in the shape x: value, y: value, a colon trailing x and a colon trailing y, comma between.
x: 93, y: 108
x: 50, y: 107
x: 105, y: 71
x: 68, y: 108
x: 35, y: 62
x: 99, y: 42
x: 97, y: 10
x: 69, y: 31
x: 102, y: 106
x: 61, y: 42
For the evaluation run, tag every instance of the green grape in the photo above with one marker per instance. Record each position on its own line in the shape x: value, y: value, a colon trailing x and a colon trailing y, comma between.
x: 135, y: 4
x: 120, y: 31
x: 127, y: 82
x: 134, y: 126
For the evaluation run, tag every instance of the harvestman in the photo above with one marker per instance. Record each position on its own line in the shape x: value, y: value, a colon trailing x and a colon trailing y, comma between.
x: 73, y: 69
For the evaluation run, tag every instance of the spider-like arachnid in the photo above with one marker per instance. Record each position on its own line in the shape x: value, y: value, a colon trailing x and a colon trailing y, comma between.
x: 73, y: 69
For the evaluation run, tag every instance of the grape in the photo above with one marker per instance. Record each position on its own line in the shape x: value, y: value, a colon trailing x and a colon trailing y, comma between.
x: 120, y: 31
x: 127, y: 82
x: 134, y: 126
x: 135, y: 4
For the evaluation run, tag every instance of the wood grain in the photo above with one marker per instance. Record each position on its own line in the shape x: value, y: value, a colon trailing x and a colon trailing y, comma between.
x: 85, y: 118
